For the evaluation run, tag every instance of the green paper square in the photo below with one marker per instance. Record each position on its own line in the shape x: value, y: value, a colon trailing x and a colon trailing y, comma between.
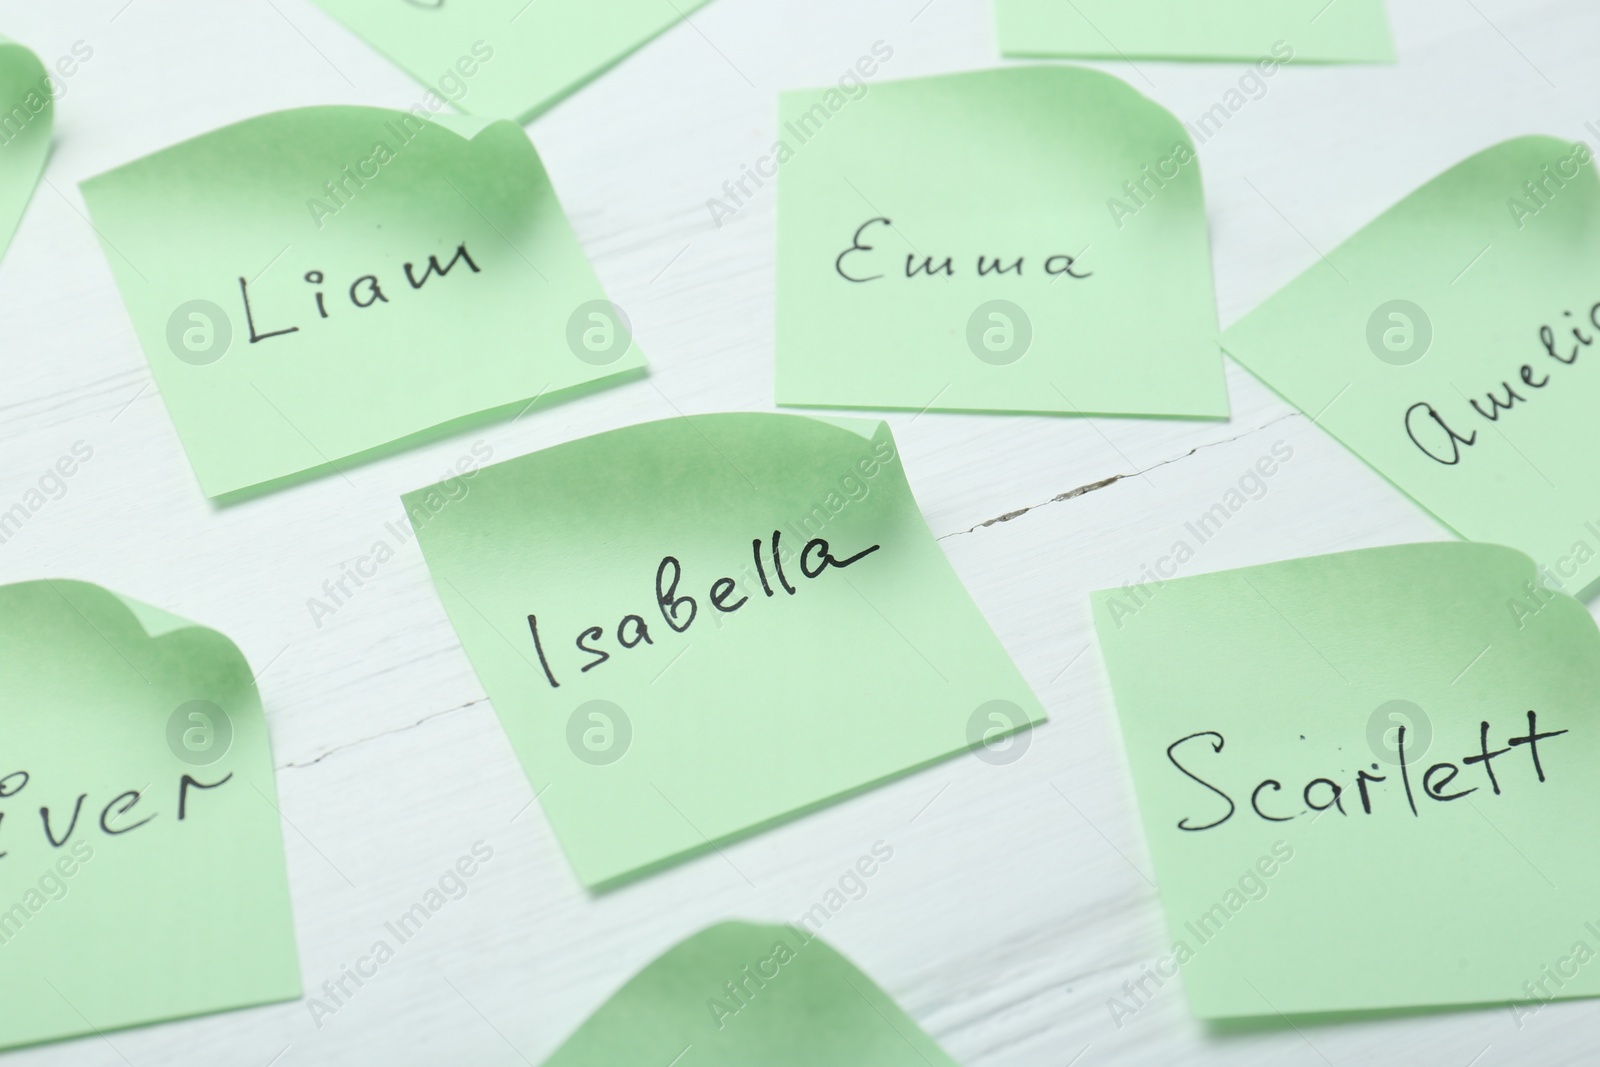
x: 903, y: 209
x: 1238, y: 691
x: 245, y: 258
x: 776, y: 703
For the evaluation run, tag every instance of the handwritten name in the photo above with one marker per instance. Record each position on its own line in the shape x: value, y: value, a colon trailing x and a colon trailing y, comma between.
x: 860, y: 270
x: 114, y: 818
x: 680, y: 612
x: 363, y: 293
x: 1320, y: 794
x: 1437, y: 439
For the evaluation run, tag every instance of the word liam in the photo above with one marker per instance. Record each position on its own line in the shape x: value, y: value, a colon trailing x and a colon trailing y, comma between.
x: 364, y: 292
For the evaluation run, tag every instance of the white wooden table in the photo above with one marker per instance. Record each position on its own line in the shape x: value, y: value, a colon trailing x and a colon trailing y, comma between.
x: 1017, y: 900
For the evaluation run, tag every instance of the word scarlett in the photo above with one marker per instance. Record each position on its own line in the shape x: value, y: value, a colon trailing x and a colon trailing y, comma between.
x: 117, y: 817
x: 364, y: 292
x: 860, y: 270
x: 1440, y: 441
x: 1438, y: 782
x: 679, y: 612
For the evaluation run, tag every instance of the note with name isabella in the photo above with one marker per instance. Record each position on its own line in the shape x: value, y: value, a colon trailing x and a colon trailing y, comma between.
x: 695, y: 628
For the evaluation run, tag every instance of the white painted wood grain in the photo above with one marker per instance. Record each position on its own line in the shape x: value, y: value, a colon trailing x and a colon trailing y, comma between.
x: 1017, y: 900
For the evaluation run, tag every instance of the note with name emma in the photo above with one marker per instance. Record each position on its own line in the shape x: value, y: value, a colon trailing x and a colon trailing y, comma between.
x: 1349, y: 31
x: 27, y: 110
x: 509, y: 59
x: 141, y: 861
x: 695, y: 628
x: 319, y: 286
x: 1450, y: 344
x: 1361, y: 778
x: 740, y: 993
x: 1031, y: 239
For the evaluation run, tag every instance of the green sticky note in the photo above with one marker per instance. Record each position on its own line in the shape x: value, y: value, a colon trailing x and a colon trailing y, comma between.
x: 508, y: 59
x: 27, y: 108
x: 319, y: 286
x: 1449, y: 344
x: 141, y: 863
x: 737, y: 994
x: 1307, y: 741
x: 695, y: 628
x: 1316, y: 31
x: 1029, y: 239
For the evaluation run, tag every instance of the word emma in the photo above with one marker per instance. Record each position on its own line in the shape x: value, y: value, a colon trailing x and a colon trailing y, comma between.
x: 117, y: 817
x: 1437, y: 783
x: 860, y: 271
x: 1424, y: 425
x: 679, y: 612
x: 364, y: 292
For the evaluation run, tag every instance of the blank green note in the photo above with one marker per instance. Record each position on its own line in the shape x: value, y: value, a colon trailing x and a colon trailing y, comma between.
x: 508, y: 59
x: 27, y: 109
x: 1316, y: 31
x: 738, y: 994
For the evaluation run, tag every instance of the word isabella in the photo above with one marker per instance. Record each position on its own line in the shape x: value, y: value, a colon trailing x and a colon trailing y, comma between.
x: 679, y: 612
x: 1437, y: 783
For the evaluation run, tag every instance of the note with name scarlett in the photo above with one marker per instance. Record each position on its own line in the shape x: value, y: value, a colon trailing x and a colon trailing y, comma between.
x: 1031, y: 239
x: 1450, y: 344
x: 1359, y: 777
x: 508, y: 59
x: 695, y: 628
x: 320, y: 286
x: 1316, y: 31
x: 739, y: 994
x: 141, y: 862
x: 27, y: 110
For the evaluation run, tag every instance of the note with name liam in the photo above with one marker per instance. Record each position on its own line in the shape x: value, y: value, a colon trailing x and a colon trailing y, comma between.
x: 320, y: 286
x: 1450, y: 345
x: 741, y: 994
x: 1361, y: 778
x: 1031, y: 239
x: 695, y: 628
x: 508, y: 59
x: 141, y: 862
x: 27, y: 110
x: 1316, y: 31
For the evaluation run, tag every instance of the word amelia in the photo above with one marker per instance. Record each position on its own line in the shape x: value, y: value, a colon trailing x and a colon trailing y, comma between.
x: 1423, y: 419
